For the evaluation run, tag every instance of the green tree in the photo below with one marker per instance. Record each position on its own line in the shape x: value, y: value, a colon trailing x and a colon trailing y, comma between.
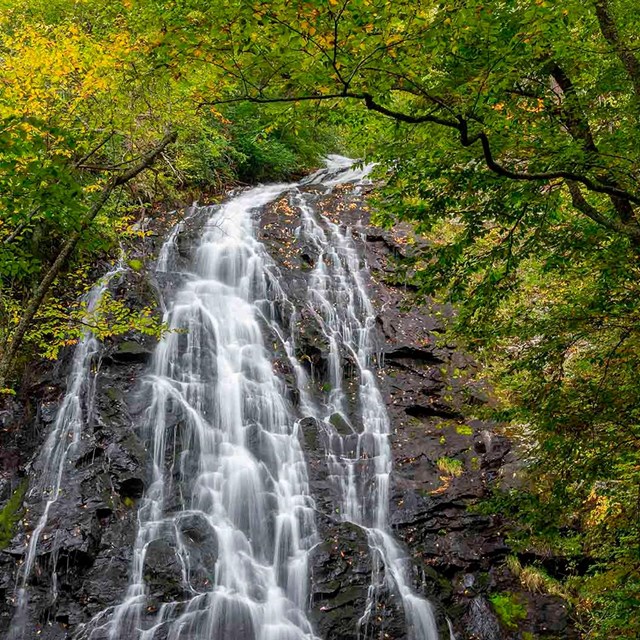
x: 515, y: 150
x: 89, y: 91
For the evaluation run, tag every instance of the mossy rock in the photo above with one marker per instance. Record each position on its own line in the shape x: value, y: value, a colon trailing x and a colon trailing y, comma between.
x: 340, y: 424
x: 11, y: 514
x: 509, y: 608
x: 132, y: 351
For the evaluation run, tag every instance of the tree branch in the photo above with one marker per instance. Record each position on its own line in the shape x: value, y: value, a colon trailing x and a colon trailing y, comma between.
x: 16, y: 232
x: 581, y: 204
x: 570, y: 110
x: 67, y: 249
x: 575, y: 120
x: 461, y: 125
x: 79, y: 163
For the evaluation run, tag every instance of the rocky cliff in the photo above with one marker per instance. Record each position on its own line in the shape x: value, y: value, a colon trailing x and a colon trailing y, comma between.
x: 444, y: 462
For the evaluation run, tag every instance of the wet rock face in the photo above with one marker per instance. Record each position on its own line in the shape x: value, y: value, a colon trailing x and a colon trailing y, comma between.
x: 84, y: 554
x: 444, y: 463
x: 342, y: 569
x: 83, y: 557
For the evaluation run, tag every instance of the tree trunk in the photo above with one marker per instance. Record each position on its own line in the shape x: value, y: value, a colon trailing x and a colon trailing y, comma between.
x: 610, y: 32
x: 40, y: 293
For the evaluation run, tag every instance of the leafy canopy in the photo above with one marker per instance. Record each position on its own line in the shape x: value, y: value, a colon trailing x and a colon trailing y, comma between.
x: 508, y: 133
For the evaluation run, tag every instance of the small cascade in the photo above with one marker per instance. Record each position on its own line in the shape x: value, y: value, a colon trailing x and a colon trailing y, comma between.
x: 168, y: 249
x: 339, y: 170
x: 72, y: 417
x: 228, y: 472
x: 359, y: 461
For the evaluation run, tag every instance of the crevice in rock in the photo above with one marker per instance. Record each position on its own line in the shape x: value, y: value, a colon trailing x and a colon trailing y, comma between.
x: 430, y: 411
x: 131, y: 489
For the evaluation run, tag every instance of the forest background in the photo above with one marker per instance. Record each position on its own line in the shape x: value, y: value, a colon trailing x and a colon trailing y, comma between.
x: 507, y: 133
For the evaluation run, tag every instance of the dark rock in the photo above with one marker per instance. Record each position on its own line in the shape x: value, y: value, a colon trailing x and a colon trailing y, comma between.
x: 342, y: 570
x: 455, y: 555
x: 411, y: 353
x: 163, y: 572
x: 430, y: 410
x: 550, y: 616
x: 131, y: 351
x: 479, y: 621
x: 131, y: 488
x: 340, y: 424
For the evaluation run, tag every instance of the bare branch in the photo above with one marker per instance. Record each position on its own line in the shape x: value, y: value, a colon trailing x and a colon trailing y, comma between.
x: 93, y: 151
x: 461, y: 125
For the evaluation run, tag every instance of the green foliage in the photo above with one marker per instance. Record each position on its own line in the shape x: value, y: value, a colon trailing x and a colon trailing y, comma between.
x: 509, y: 609
x: 59, y: 327
x: 610, y: 600
x: 135, y: 264
x: 535, y: 579
x: 464, y: 430
x: 450, y: 466
x: 88, y: 87
x: 10, y: 514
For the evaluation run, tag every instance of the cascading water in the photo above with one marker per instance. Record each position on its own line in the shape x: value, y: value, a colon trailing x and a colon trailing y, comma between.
x: 226, y: 457
x: 168, y: 249
x: 228, y: 491
x: 72, y: 417
x: 360, y: 462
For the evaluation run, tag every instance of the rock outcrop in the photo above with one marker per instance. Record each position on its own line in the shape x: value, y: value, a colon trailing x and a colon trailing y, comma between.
x: 444, y: 464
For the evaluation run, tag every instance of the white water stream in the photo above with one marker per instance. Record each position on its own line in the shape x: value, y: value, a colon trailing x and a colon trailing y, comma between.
x: 72, y: 417
x: 360, y: 462
x: 225, y: 454
x: 228, y: 472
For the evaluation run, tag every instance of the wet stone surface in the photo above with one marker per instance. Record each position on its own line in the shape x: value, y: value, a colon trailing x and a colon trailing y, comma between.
x: 443, y: 464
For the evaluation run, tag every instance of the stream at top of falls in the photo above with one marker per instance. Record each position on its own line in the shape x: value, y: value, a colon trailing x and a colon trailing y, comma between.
x: 228, y: 480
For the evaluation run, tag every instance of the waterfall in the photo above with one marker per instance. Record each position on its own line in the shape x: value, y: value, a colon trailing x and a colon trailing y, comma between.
x: 169, y: 248
x: 228, y: 497
x: 73, y: 415
x: 360, y: 461
x: 227, y: 466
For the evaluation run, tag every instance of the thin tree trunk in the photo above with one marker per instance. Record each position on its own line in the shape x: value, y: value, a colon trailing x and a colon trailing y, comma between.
x: 612, y: 36
x: 40, y: 293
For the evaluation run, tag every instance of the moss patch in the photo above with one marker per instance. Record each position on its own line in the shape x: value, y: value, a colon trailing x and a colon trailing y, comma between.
x: 464, y: 430
x: 509, y: 608
x: 10, y: 514
x: 450, y: 466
